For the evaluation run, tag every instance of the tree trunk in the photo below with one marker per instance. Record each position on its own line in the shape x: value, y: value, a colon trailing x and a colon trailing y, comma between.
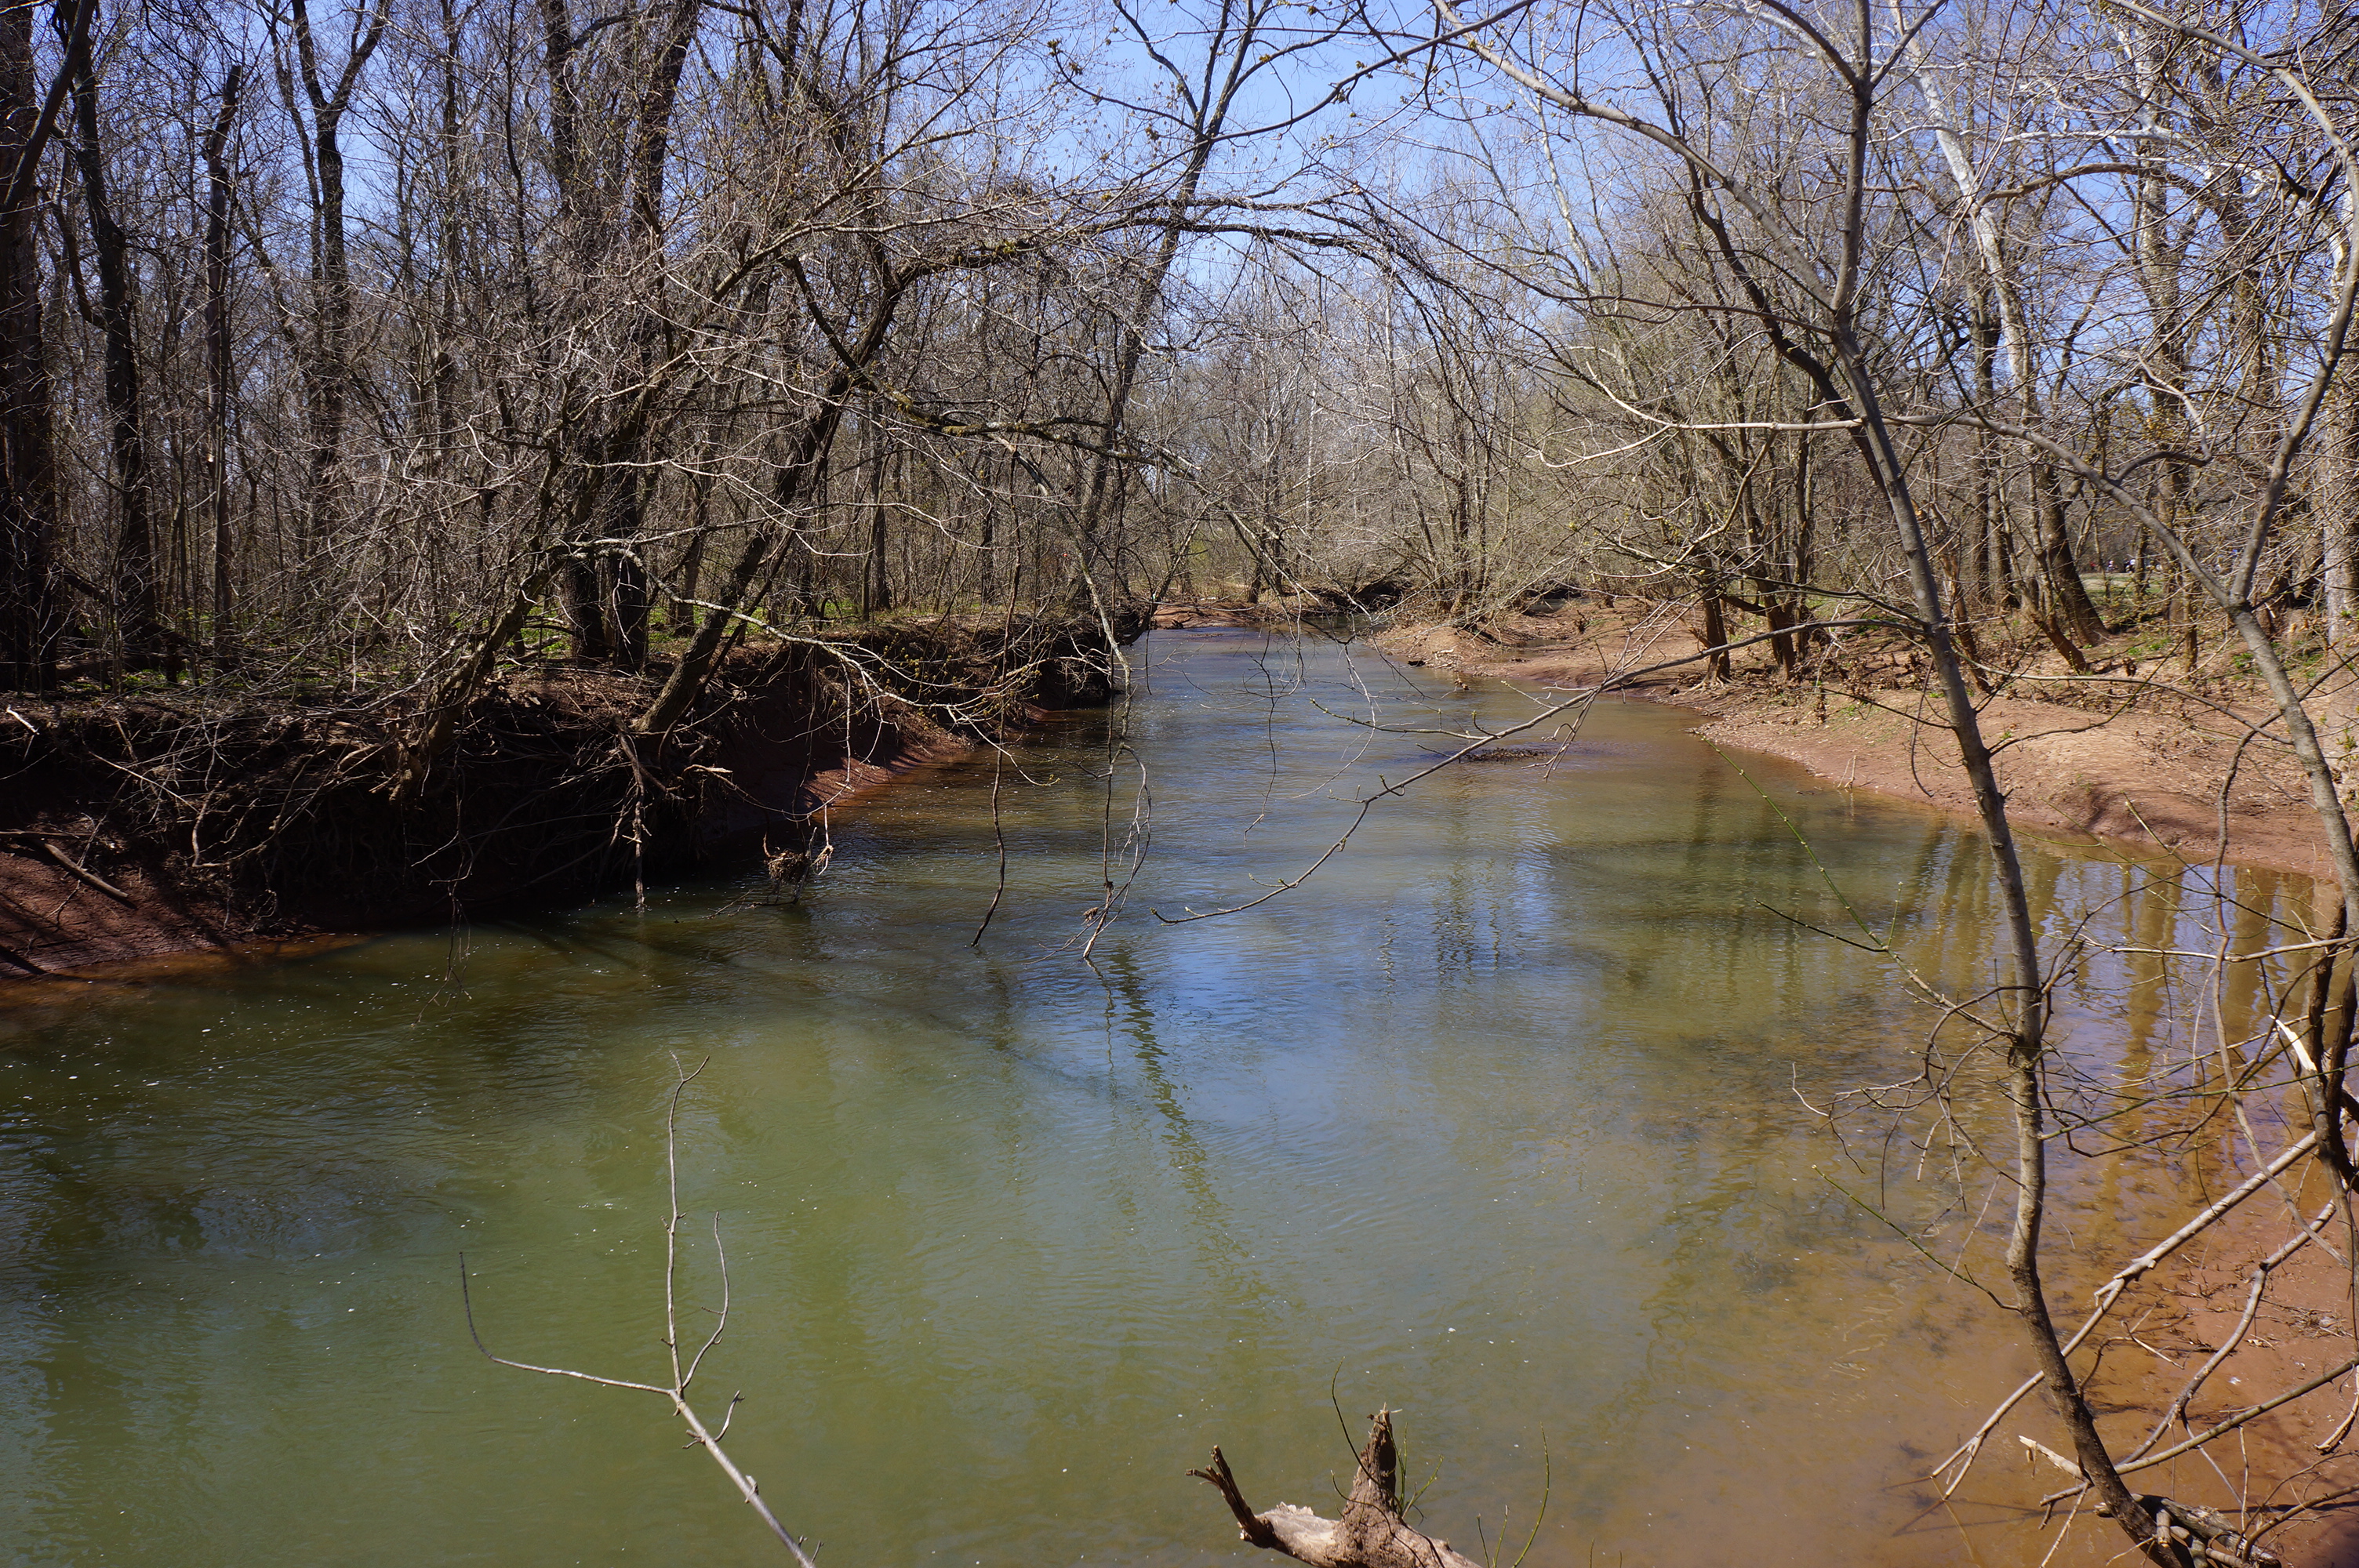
x: 328, y: 374
x: 1715, y: 633
x: 31, y: 616
x: 331, y: 364
x: 2062, y: 593
x: 629, y: 603
x: 875, y: 579
x: 218, y: 379
x: 137, y: 585
x: 586, y: 606
x: 2338, y: 509
x: 690, y: 569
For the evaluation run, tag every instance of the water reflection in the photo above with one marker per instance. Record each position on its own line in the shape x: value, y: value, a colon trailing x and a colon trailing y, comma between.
x: 1501, y: 1118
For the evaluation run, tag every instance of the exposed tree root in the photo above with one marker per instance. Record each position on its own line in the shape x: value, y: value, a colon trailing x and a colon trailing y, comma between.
x: 162, y: 821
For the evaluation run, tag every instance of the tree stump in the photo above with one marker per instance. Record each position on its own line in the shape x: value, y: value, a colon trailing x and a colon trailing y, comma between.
x: 1371, y: 1534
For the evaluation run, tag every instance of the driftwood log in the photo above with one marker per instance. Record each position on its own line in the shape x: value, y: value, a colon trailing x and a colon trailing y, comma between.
x: 1371, y: 1534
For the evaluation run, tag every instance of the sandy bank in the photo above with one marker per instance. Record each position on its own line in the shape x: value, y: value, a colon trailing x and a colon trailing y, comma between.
x: 2167, y: 776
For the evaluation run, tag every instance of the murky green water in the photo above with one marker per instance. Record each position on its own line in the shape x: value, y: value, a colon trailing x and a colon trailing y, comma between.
x: 1496, y: 1119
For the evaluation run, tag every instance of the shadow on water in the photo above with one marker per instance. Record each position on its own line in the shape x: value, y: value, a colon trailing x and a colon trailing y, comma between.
x: 1501, y: 1119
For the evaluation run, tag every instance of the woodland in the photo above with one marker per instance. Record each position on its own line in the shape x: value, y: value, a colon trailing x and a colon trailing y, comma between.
x: 379, y: 377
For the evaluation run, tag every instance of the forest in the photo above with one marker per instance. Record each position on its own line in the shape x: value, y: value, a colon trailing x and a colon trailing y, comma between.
x: 435, y: 429
x: 345, y: 347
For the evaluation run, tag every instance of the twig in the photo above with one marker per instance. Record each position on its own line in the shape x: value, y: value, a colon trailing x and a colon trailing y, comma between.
x: 681, y: 1375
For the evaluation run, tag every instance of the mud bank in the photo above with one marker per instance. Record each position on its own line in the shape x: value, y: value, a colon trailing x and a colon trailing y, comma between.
x: 133, y: 828
x: 2165, y: 776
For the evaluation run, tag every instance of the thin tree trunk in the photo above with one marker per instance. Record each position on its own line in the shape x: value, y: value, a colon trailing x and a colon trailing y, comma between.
x: 2022, y: 989
x: 330, y: 374
x: 629, y: 603
x: 32, y: 619
x: 1715, y: 633
x: 805, y: 461
x: 876, y: 583
x: 632, y: 603
x: 218, y: 379
x: 2063, y: 598
x: 692, y: 561
x: 136, y: 582
x: 1212, y: 102
x: 2067, y: 596
x: 2338, y: 510
x: 585, y: 605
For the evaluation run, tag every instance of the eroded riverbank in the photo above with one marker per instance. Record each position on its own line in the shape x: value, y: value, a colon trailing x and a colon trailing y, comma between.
x: 141, y: 828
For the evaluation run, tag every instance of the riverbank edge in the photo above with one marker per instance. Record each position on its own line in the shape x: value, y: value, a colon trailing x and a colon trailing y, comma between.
x: 2141, y: 785
x: 170, y: 941
x: 2144, y: 787
x: 543, y: 802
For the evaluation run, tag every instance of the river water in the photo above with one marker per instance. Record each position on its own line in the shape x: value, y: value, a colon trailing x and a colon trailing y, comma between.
x: 1499, y: 1117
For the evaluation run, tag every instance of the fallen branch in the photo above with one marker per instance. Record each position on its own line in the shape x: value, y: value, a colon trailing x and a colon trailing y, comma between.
x: 1371, y: 1534
x: 47, y: 848
x: 1963, y: 1459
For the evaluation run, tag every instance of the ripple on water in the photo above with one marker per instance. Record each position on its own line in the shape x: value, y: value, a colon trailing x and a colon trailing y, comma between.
x: 1495, y: 1118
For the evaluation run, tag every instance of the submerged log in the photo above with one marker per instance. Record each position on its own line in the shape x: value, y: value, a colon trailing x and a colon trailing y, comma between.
x: 1371, y: 1534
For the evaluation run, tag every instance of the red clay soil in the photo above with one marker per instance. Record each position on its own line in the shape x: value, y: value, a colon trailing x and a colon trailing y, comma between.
x: 2151, y: 781
x: 52, y: 920
x: 2301, y: 1330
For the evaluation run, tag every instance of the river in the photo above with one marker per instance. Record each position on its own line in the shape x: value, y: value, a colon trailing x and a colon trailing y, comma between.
x: 1500, y: 1118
